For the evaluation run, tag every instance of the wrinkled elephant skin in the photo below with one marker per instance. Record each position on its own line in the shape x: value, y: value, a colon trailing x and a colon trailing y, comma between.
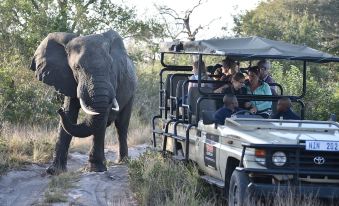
x: 94, y: 73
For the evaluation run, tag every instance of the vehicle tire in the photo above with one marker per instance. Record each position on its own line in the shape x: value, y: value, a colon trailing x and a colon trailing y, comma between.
x: 238, y: 192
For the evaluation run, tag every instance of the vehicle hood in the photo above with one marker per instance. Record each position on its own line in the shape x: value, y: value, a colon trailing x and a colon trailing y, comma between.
x: 265, y: 131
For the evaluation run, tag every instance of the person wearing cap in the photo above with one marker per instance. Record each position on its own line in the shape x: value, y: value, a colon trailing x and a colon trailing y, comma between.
x: 284, y: 110
x: 264, y: 74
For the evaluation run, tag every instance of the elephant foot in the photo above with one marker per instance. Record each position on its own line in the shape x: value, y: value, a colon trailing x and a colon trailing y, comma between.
x: 96, y: 167
x: 56, y: 169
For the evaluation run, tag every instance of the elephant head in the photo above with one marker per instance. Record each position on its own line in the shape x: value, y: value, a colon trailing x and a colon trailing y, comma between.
x: 91, y: 68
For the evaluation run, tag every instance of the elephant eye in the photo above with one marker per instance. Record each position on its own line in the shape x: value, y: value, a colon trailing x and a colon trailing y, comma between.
x: 77, y: 67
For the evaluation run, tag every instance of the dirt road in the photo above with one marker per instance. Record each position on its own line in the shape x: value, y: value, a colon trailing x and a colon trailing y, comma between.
x: 29, y: 185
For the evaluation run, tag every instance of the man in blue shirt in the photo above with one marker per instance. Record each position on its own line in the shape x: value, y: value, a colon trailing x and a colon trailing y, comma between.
x: 284, y: 110
x: 230, y: 107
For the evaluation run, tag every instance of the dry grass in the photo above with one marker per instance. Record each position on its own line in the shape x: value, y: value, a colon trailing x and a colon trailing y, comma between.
x: 291, y: 198
x: 81, y: 145
x: 139, y: 131
x: 158, y: 181
x: 58, y: 186
x: 21, y: 145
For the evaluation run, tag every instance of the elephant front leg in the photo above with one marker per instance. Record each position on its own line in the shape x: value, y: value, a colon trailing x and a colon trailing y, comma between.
x: 97, y: 154
x: 71, y: 106
x: 122, y: 123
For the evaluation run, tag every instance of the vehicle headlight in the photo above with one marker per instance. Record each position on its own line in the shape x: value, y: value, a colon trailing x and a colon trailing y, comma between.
x: 279, y: 158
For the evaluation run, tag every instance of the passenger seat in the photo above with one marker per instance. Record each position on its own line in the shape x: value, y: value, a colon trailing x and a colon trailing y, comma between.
x: 205, y: 104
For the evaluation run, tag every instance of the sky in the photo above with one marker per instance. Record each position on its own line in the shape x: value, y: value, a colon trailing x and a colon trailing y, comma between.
x: 220, y: 10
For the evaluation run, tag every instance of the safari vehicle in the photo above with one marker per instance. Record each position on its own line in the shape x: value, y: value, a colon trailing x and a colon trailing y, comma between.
x: 248, y: 154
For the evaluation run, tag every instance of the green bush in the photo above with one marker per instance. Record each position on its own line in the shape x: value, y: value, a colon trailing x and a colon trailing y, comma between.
x: 320, y: 99
x: 23, y: 99
x: 146, y: 102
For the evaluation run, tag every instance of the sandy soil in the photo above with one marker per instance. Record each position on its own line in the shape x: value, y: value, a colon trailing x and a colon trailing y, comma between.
x: 28, y: 186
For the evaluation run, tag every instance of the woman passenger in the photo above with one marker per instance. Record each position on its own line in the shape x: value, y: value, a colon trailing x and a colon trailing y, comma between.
x: 236, y: 87
x: 258, y: 87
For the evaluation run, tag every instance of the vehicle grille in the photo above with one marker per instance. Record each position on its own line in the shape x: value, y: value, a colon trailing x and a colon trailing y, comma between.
x: 307, y: 163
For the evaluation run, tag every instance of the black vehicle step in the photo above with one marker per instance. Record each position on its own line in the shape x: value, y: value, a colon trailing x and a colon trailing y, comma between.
x: 156, y: 149
x: 213, y: 181
x: 179, y: 158
x: 180, y: 138
x: 167, y: 134
x: 158, y: 131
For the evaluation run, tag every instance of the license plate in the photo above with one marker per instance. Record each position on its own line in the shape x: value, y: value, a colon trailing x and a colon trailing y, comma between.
x: 322, y: 145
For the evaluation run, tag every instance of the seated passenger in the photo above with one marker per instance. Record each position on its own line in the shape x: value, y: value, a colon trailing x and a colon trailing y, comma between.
x: 258, y: 87
x: 284, y: 110
x: 236, y: 87
x: 264, y: 68
x: 195, y: 71
x: 229, y: 68
x: 217, y: 72
x: 230, y: 107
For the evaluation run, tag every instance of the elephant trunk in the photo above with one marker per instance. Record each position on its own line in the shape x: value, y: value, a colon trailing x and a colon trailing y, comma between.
x: 78, y: 130
x: 95, y: 120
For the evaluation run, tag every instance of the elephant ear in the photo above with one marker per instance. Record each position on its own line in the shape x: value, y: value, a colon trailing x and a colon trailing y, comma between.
x: 119, y: 54
x: 116, y: 43
x: 50, y: 63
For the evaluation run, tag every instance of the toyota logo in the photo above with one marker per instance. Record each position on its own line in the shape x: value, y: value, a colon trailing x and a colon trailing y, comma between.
x: 319, y: 160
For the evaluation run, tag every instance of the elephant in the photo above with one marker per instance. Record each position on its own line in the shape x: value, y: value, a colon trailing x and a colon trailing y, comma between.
x: 94, y: 73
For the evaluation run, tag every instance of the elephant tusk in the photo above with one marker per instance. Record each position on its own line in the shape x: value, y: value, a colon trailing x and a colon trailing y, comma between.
x: 115, y: 105
x: 86, y: 110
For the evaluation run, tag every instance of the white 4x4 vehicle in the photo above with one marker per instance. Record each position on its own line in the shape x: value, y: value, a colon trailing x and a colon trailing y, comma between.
x: 248, y: 155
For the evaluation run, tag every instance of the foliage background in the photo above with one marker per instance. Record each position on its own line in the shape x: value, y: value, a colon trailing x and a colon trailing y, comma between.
x: 23, y: 24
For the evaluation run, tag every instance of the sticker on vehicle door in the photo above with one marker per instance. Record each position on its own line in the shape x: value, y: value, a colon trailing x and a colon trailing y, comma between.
x: 210, y: 151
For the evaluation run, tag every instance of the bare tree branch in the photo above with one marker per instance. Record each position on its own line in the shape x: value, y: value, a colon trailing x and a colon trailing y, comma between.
x: 164, y: 10
x: 189, y: 12
x: 180, y: 21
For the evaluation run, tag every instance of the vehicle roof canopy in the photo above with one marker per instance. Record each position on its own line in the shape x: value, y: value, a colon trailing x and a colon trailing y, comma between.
x: 250, y: 48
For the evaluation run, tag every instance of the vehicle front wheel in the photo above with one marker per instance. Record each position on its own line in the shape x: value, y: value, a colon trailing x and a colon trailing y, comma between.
x: 238, y: 193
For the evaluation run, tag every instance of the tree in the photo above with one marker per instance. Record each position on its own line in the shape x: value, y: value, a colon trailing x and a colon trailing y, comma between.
x: 25, y: 23
x: 179, y: 23
x: 326, y: 11
x: 310, y: 22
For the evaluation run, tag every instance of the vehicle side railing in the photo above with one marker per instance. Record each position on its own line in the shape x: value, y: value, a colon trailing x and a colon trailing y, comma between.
x: 162, y: 99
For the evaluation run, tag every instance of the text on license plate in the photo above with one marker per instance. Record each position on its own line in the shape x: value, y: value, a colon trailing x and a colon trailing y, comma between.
x: 322, y: 145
